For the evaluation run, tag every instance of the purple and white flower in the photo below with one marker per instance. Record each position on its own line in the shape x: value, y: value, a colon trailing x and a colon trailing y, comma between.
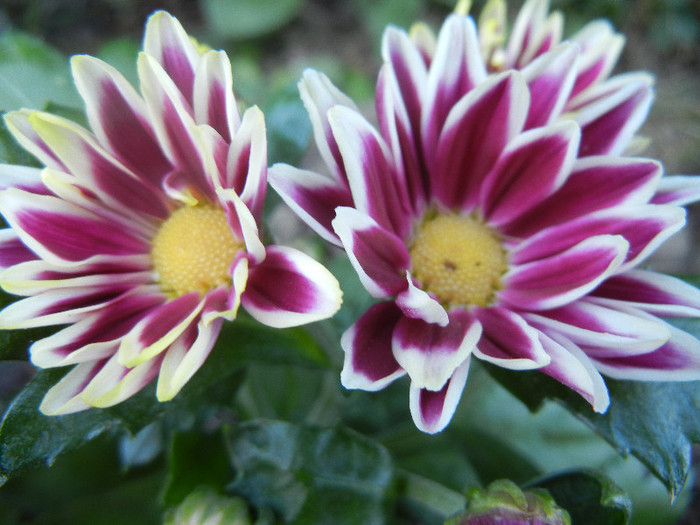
x: 484, y: 226
x: 141, y: 234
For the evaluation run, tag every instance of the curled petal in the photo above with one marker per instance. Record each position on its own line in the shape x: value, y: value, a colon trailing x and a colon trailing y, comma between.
x: 430, y: 353
x: 369, y: 360
x: 290, y: 288
x: 565, y: 277
x: 433, y: 410
x: 418, y: 304
x: 379, y: 257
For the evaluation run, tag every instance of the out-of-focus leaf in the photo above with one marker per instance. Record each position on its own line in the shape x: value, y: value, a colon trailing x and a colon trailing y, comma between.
x: 288, y: 126
x: 196, y: 459
x: 28, y: 438
x: 377, y: 15
x: 122, y: 54
x: 588, y: 496
x: 141, y: 448
x: 32, y: 74
x: 240, y: 19
x: 309, y: 474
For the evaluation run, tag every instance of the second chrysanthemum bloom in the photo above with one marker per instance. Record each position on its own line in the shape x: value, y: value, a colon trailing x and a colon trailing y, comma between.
x: 486, y: 229
x: 142, y: 235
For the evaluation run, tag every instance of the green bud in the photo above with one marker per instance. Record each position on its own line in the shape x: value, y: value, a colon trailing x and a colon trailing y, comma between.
x: 205, y: 506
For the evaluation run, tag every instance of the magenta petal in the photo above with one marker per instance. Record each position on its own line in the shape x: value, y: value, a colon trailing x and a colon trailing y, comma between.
x: 312, y: 196
x: 369, y: 361
x: 533, y: 166
x: 214, y: 103
x: 379, y: 257
x: 644, y: 227
x: 475, y: 134
x: 290, y: 288
x: 431, y: 353
x: 376, y: 187
x: 680, y: 190
x: 12, y: 249
x: 677, y: 360
x: 508, y: 340
x: 433, y: 410
x: 595, y: 183
x: 550, y: 79
x: 567, y: 276
x: 54, y: 229
x: 609, y: 124
x: 652, y: 292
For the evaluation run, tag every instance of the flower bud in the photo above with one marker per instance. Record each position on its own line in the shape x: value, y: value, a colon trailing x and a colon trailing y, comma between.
x: 204, y: 506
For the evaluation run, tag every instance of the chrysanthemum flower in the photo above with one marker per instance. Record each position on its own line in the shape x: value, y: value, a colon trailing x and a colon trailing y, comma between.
x: 142, y: 234
x: 476, y: 220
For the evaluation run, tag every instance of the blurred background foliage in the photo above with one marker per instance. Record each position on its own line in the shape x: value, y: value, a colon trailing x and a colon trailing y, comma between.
x: 121, y: 477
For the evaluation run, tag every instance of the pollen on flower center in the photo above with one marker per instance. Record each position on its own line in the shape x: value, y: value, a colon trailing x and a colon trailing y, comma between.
x: 193, y: 249
x: 459, y: 259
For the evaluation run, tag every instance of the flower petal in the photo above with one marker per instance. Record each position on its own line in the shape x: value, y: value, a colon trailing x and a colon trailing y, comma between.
x: 17, y: 123
x: 369, y: 361
x: 600, y: 49
x: 214, y: 103
x: 532, y: 167
x: 379, y: 257
x: 508, y: 341
x: 374, y: 182
x: 475, y: 133
x: 290, y: 288
x: 565, y: 277
x: 13, y: 252
x: 21, y: 177
x: 433, y: 410
x: 680, y: 190
x: 418, y: 304
x: 184, y: 357
x: 571, y: 367
x: 595, y: 183
x: 429, y: 353
x: 64, y: 396
x: 159, y: 328
x: 655, y: 293
x: 118, y: 117
x: 312, y: 196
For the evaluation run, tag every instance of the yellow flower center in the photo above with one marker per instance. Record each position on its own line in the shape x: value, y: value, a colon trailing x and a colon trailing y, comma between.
x: 459, y: 259
x: 193, y: 249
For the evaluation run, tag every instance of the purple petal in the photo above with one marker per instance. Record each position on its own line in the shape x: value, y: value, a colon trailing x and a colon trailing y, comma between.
x: 374, y: 182
x: 64, y: 396
x: 475, y: 134
x: 652, y: 292
x: 430, y: 353
x: 167, y: 42
x: 418, y: 304
x: 58, y: 231
x: 312, y: 196
x: 508, y: 341
x: 369, y: 361
x: 600, y: 49
x: 119, y: 118
x: 456, y: 68
x: 433, y: 410
x: 677, y: 360
x: 550, y: 79
x: 565, y: 277
x: 214, y: 103
x: 159, y: 328
x: 645, y: 227
x: 289, y: 288
x: 595, y: 183
x: 12, y: 250
x: 608, y: 124
x: 533, y: 166
x: 379, y: 257
x: 603, y: 330
x: 23, y: 178
x: 680, y: 190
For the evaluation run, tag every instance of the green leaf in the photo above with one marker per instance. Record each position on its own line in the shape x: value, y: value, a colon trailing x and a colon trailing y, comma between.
x: 588, y: 496
x: 311, y: 475
x: 288, y: 126
x: 196, y: 459
x: 240, y: 19
x: 32, y: 74
x: 655, y: 421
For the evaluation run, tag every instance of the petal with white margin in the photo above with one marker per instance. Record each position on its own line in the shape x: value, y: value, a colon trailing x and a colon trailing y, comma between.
x: 418, y: 304
x: 430, y: 353
x: 369, y: 361
x: 432, y: 411
x: 290, y: 288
